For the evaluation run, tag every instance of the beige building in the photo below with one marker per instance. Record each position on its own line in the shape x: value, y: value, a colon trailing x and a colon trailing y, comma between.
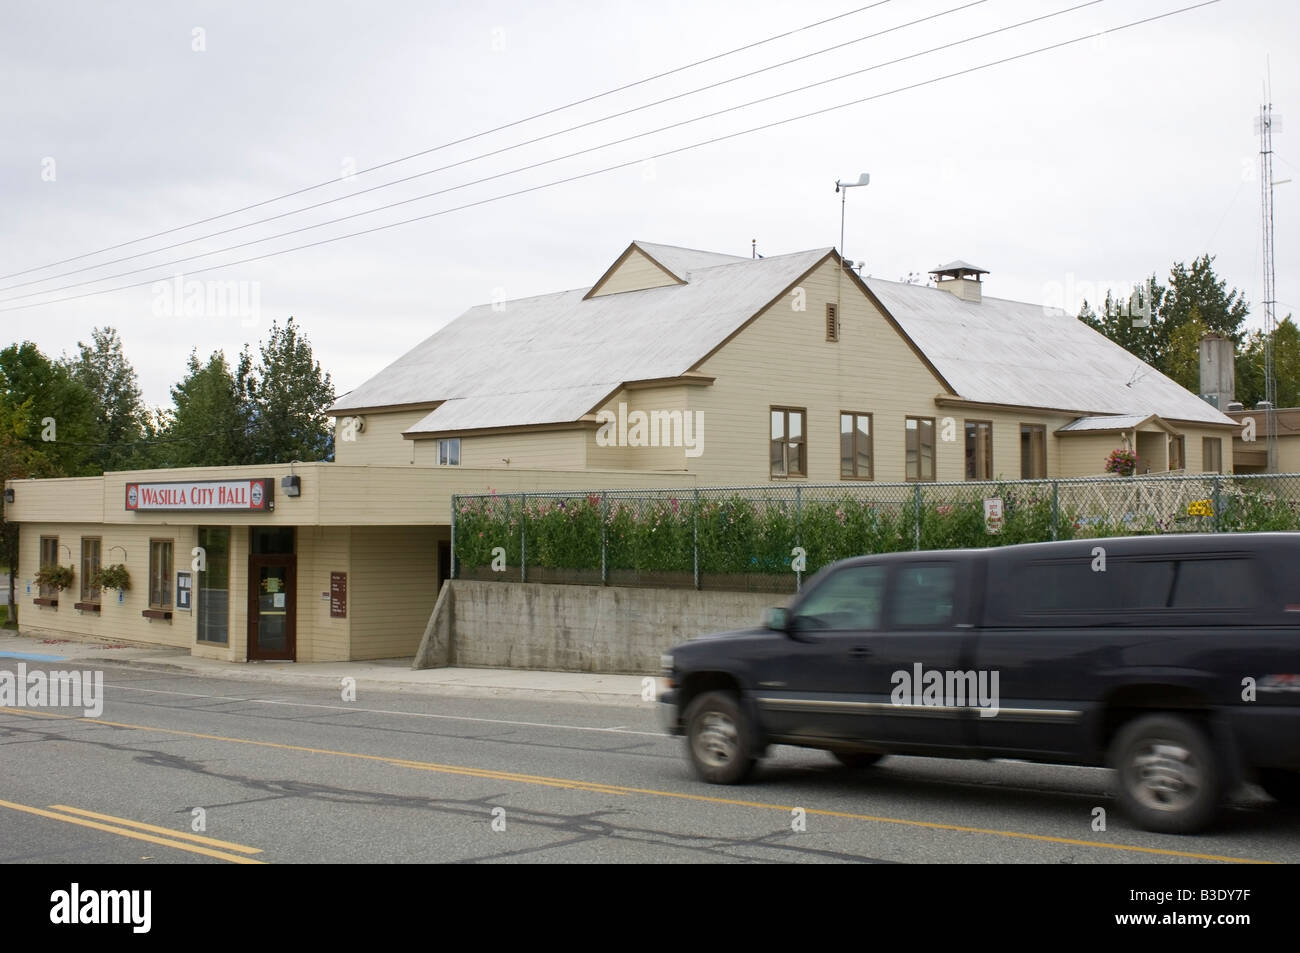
x: 674, y: 368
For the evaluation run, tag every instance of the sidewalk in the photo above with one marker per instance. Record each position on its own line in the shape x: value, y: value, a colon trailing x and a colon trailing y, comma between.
x: 382, y: 674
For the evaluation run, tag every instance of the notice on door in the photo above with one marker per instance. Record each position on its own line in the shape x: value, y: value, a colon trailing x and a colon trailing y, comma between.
x: 338, y: 595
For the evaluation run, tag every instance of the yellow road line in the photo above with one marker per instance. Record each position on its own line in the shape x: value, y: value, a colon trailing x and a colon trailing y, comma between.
x: 135, y: 835
x: 598, y: 788
x: 140, y: 825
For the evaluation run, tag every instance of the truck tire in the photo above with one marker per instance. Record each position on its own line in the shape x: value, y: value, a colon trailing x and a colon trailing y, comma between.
x: 1281, y: 785
x: 719, y: 738
x: 1170, y: 780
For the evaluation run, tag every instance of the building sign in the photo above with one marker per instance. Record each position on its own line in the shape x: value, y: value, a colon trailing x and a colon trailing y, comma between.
x: 251, y: 495
x: 184, y: 591
x: 338, y: 595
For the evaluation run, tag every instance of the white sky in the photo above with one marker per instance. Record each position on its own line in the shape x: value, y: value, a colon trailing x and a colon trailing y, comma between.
x: 1066, y: 172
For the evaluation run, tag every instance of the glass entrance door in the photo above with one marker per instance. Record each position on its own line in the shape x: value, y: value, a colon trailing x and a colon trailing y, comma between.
x: 271, y: 607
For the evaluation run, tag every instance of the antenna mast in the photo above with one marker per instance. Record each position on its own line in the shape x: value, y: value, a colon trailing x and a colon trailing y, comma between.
x: 1264, y: 126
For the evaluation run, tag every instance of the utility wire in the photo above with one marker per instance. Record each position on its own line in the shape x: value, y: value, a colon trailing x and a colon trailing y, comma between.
x: 500, y: 151
x: 623, y: 165
x: 551, y: 161
x: 457, y: 142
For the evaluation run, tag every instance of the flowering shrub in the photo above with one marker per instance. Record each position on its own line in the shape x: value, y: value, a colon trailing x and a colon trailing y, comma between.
x: 756, y: 533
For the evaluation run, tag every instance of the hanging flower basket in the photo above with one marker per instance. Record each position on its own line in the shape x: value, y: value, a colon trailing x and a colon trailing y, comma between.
x: 54, y: 577
x: 1122, y: 461
x: 113, y: 577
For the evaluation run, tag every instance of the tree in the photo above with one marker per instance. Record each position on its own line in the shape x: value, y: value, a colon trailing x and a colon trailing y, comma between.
x: 290, y: 396
x: 103, y: 369
x: 1286, y: 366
x: 212, y: 414
x: 47, y: 427
x: 1164, y: 324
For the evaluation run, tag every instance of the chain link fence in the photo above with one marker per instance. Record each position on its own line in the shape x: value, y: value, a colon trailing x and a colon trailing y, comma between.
x: 769, y: 538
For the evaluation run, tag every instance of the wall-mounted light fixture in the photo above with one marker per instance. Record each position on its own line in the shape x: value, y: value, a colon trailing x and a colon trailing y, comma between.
x: 292, y: 484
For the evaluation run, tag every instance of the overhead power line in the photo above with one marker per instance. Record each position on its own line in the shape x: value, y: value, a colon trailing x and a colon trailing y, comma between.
x: 456, y: 142
x: 670, y: 152
x: 510, y: 148
x: 544, y: 162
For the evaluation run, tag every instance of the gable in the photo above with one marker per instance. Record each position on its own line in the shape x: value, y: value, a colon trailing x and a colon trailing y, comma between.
x: 634, y: 271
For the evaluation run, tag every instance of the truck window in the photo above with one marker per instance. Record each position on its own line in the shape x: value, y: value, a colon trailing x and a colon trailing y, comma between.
x: 922, y: 595
x: 848, y: 599
x: 1215, y: 584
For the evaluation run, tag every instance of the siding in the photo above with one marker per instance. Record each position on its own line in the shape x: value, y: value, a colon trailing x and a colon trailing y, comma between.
x: 669, y: 399
x: 115, y: 622
x: 380, y: 441
x: 392, y: 589
x: 321, y: 550
x: 543, y: 449
x: 636, y: 273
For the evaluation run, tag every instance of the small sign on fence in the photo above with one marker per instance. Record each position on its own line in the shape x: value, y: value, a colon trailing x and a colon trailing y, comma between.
x: 993, y: 515
x: 1200, y: 508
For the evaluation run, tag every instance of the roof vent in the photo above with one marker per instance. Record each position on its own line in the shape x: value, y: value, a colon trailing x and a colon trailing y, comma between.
x: 1236, y: 405
x: 960, y: 278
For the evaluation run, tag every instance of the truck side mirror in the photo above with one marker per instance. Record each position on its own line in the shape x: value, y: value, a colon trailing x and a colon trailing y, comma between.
x: 777, y: 618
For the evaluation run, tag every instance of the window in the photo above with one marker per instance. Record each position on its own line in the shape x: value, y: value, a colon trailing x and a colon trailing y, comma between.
x: 89, y: 566
x: 920, y: 449
x: 1177, y: 454
x: 49, y: 557
x: 855, y: 447
x: 1212, y: 455
x: 789, y: 445
x: 832, y: 322
x: 1033, y: 452
x: 1070, y: 587
x: 921, y: 595
x: 213, y: 599
x: 848, y: 599
x: 979, y: 450
x: 160, y: 574
x: 449, y: 452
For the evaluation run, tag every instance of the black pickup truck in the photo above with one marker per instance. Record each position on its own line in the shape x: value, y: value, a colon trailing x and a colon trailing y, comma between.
x: 1173, y: 659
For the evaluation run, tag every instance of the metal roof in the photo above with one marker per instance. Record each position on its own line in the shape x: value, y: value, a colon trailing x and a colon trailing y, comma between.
x: 1111, y: 422
x: 958, y: 265
x: 682, y: 261
x: 553, y: 358
x: 1009, y: 352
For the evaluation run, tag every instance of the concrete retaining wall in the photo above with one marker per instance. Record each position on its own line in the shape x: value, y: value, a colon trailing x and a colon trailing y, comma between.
x: 605, y: 629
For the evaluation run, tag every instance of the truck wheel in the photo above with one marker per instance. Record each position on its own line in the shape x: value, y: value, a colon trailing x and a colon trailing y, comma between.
x: 1169, y: 778
x: 1281, y: 785
x: 719, y: 738
x: 857, y: 759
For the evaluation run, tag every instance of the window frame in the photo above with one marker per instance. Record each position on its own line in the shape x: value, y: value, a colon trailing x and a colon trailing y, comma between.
x: 934, y: 450
x: 1217, y: 444
x: 988, y: 456
x: 1181, y: 443
x: 787, y: 442
x: 446, y: 443
x: 203, y: 603
x: 163, y: 578
x: 1027, y: 431
x: 89, y: 593
x: 853, y: 416
x: 42, y: 560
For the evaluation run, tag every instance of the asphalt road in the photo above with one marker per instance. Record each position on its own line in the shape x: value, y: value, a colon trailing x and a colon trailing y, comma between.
x: 288, y: 774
